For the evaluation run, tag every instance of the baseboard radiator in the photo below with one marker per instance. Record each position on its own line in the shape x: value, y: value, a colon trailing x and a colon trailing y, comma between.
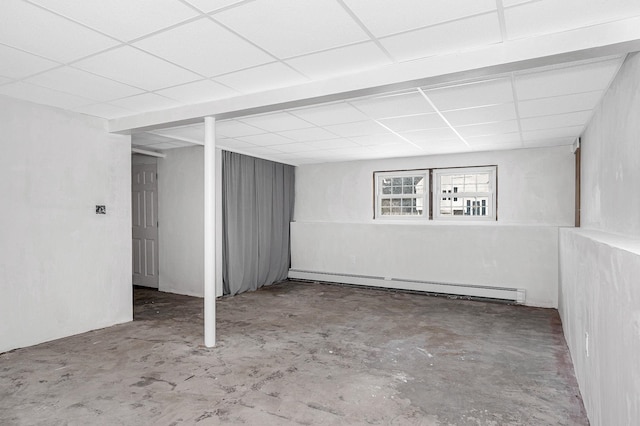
x: 512, y: 294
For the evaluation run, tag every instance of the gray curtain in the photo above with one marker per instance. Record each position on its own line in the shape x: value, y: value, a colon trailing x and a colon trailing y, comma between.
x: 257, y: 207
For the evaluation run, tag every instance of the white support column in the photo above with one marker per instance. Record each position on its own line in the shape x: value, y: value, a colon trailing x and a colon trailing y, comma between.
x: 209, y: 232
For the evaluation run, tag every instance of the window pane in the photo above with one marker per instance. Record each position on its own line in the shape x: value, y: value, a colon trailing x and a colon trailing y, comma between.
x: 419, y: 185
x: 445, y: 211
x: 476, y: 206
x: 402, y: 194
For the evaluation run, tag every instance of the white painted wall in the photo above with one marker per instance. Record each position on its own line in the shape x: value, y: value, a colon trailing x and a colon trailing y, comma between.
x: 64, y: 270
x: 181, y: 216
x: 600, y: 263
x: 334, y: 229
x: 535, y: 186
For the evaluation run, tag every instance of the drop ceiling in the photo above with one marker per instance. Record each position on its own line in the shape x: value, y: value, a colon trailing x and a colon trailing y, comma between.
x: 120, y: 60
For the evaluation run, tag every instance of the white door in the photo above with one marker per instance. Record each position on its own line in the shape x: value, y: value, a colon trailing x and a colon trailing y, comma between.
x: 144, y: 207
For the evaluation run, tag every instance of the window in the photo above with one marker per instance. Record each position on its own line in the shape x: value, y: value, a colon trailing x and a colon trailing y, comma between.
x: 402, y: 195
x: 464, y: 193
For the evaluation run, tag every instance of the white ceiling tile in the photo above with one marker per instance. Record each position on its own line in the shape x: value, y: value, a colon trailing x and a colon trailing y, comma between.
x: 310, y: 134
x: 567, y: 80
x: 343, y: 60
x: 122, y: 19
x: 383, y: 17
x: 232, y: 144
x: 82, y: 83
x: 233, y: 129
x: 261, y: 150
x: 15, y: 63
x: 148, y: 139
x: 424, y: 136
x: 506, y: 138
x: 302, y: 160
x: 461, y: 117
x: 339, y: 143
x: 360, y: 128
x: 543, y: 143
x: 276, y: 122
x: 395, y: 105
x: 136, y: 68
x: 442, y: 146
x: 104, y: 110
x: 509, y: 3
x: 266, y: 139
x: 553, y: 121
x: 264, y: 77
x: 145, y: 102
x: 323, y: 115
x: 295, y: 27
x: 382, y: 151
x: 293, y: 148
x: 193, y: 133
x: 346, y: 153
x: 559, y: 104
x: 482, y: 93
x: 182, y: 144
x: 42, y: 95
x: 212, y: 5
x: 205, y: 47
x: 488, y: 128
x: 451, y: 37
x: 561, y: 132
x: 384, y: 139
x: 30, y: 28
x: 165, y: 145
x: 142, y: 143
x: 550, y: 16
x: 414, y: 122
x: 198, y: 91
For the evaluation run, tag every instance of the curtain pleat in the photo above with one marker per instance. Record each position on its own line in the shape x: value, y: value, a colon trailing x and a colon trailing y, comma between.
x: 257, y: 204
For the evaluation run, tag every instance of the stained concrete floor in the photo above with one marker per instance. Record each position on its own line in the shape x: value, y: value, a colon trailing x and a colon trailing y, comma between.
x: 302, y: 353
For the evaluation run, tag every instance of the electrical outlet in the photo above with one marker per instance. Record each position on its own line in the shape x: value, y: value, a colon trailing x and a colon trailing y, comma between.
x: 586, y: 342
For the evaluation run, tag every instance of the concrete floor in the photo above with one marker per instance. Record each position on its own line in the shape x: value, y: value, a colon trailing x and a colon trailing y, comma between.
x: 300, y: 353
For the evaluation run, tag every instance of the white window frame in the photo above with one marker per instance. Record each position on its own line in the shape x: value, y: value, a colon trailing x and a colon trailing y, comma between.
x: 492, y: 194
x: 379, y: 176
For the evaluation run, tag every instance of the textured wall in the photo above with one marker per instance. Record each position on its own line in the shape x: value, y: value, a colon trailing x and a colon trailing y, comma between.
x: 335, y: 231
x: 181, y: 216
x: 600, y: 263
x: 535, y: 186
x: 64, y: 269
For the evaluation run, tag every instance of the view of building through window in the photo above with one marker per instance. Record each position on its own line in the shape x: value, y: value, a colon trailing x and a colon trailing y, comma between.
x: 457, y: 193
x: 464, y: 194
